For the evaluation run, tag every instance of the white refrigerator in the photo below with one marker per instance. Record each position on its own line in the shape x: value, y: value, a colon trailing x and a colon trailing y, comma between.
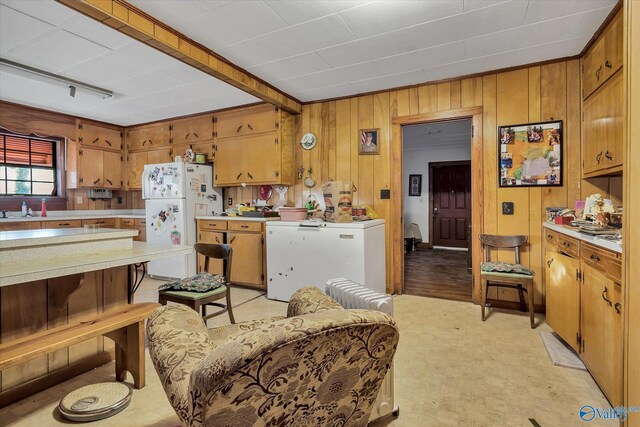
x: 301, y: 253
x: 174, y: 194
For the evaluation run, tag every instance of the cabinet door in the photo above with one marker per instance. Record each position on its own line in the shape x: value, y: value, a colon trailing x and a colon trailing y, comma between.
x: 162, y: 155
x: 215, y: 265
x: 112, y: 165
x: 229, y: 162
x: 246, y: 264
x: 99, y: 137
x: 563, y: 296
x: 602, y: 332
x: 135, y: 167
x: 190, y: 131
x: 90, y: 167
x: 262, y: 154
x: 246, y: 121
x: 148, y: 137
x: 592, y: 68
x: 613, y: 46
x: 134, y: 139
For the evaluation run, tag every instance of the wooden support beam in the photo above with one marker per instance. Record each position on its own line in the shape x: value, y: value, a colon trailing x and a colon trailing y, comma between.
x: 126, y: 18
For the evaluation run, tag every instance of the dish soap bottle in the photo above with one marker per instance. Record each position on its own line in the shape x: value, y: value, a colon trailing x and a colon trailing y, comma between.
x: 24, y: 208
x: 43, y: 209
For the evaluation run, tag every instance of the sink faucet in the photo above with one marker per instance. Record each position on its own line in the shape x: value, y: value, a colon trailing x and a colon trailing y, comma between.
x: 4, y: 214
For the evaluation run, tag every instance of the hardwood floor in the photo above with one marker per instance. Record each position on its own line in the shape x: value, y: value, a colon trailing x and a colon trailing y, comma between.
x: 437, y: 273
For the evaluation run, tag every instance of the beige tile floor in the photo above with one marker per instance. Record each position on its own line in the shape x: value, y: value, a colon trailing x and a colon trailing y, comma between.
x: 451, y: 370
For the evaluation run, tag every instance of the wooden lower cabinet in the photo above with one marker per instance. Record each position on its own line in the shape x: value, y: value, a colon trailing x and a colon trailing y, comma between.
x: 102, y: 222
x: 601, y: 326
x: 19, y: 225
x: 75, y: 223
x: 247, y: 243
x: 135, y: 224
x: 563, y: 296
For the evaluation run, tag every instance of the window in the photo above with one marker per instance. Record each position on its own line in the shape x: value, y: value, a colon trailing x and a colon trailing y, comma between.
x: 27, y: 166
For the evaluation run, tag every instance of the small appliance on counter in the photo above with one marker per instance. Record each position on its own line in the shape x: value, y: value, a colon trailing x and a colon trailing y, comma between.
x: 174, y: 194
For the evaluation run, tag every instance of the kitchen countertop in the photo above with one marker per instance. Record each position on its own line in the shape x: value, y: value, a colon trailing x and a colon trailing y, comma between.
x: 49, y: 236
x: 238, y: 218
x: 77, y: 214
x: 594, y: 240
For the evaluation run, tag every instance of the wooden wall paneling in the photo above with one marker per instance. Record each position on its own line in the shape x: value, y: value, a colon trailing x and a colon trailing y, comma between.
x: 365, y: 162
x: 490, y: 171
x: 396, y: 267
x: 477, y: 201
x: 355, y: 144
x: 456, y: 95
x: 444, y: 96
x: 512, y: 108
x: 535, y: 198
x: 86, y: 303
x: 573, y: 124
x: 58, y: 291
x: 330, y: 134
x: 471, y: 92
x: 428, y: 98
x: 314, y: 156
x: 23, y: 310
x: 414, y: 100
x: 343, y: 140
x: 381, y: 120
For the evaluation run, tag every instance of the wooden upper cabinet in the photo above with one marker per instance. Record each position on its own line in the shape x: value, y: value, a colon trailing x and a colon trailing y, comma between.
x: 262, y: 159
x: 135, y: 167
x: 602, y: 143
x: 112, y: 170
x: 229, y: 162
x: 192, y: 130
x: 604, y: 58
x: 247, y: 121
x: 90, y: 167
x: 148, y: 137
x: 95, y: 136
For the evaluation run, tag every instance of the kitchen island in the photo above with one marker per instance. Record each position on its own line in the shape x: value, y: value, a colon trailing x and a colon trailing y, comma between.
x: 55, y: 277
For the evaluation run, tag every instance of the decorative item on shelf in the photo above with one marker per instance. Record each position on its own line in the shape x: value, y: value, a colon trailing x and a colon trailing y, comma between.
x: 552, y: 212
x: 189, y: 155
x: 265, y: 192
x: 616, y: 218
x: 308, y: 181
x: 200, y: 158
x: 282, y: 199
x: 600, y: 208
x: 315, y: 204
x: 308, y: 141
x: 300, y: 172
x: 369, y: 143
x: 530, y: 155
x: 415, y: 185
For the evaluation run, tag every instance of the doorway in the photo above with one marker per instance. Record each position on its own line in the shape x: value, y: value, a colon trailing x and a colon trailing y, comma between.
x: 438, y: 218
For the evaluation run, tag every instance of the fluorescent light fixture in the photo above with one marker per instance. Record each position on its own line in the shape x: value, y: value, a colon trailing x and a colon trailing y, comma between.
x: 47, y: 76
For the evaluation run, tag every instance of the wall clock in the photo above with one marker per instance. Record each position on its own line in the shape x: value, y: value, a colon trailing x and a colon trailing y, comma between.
x: 308, y: 141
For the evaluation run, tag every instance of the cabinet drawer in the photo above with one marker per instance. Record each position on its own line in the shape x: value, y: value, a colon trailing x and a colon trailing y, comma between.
x: 141, y: 222
x: 602, y: 260
x: 569, y: 246
x: 212, y: 225
x: 22, y: 225
x: 245, y: 226
x: 62, y: 224
x: 102, y: 222
x: 127, y: 222
x: 551, y: 237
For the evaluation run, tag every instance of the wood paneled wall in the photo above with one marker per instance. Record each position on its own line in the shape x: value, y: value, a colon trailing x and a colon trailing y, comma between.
x: 538, y: 93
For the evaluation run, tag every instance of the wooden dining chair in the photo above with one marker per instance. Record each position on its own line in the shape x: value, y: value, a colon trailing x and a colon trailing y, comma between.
x: 199, y: 301
x: 503, y: 274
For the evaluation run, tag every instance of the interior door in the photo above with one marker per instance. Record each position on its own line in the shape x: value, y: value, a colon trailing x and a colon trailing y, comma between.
x: 451, y: 193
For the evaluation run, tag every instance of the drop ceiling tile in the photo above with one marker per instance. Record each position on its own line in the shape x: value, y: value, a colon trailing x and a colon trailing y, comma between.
x: 592, y: 21
x: 329, y: 77
x: 249, y: 54
x: 470, y: 5
x: 549, y: 31
x: 145, y: 84
x: 290, y: 67
x: 470, y: 24
x: 389, y: 81
x: 46, y: 11
x: 86, y: 28
x: 491, y: 44
x: 214, y: 4
x: 542, y: 10
x: 19, y: 88
x: 421, y: 59
x: 97, y: 72
x: 368, y: 49
x: 186, y: 73
x: 18, y: 28
x: 176, y: 13
x: 45, y: 52
x: 296, y: 12
x: 548, y: 51
x: 342, y: 89
x: 234, y: 23
x: 470, y: 66
x: 137, y: 59
x: 381, y: 17
x: 313, y: 35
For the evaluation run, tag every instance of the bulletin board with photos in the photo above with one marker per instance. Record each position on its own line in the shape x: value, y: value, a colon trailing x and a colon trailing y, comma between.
x: 530, y: 154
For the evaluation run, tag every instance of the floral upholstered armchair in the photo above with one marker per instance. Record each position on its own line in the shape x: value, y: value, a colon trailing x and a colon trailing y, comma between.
x: 320, y: 366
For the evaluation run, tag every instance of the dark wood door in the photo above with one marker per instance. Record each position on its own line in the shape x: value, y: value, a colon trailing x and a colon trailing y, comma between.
x: 451, y: 192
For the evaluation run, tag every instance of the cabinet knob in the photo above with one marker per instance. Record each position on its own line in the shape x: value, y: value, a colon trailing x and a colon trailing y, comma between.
x: 605, y: 298
x: 598, y: 71
x: 239, y: 175
x: 550, y: 262
x: 598, y: 157
x: 249, y: 126
x: 250, y: 176
x: 239, y: 127
x: 608, y: 64
x: 608, y: 155
x: 595, y: 257
x: 232, y: 239
x: 107, y: 141
x: 96, y: 181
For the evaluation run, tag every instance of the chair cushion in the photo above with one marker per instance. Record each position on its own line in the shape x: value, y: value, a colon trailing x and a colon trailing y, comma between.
x: 505, y: 267
x: 196, y: 295
x: 201, y: 282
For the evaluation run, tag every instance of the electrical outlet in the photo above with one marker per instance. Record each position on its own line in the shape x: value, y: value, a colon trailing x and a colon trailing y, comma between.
x: 507, y: 208
x: 230, y: 201
x: 79, y: 200
x: 119, y: 200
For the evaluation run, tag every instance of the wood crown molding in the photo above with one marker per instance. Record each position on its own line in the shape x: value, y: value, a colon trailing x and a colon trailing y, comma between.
x: 126, y: 18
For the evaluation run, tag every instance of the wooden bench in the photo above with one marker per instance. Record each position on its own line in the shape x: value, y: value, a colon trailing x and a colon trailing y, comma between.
x: 125, y: 327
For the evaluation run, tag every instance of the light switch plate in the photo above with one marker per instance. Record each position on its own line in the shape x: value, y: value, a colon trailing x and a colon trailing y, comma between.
x: 79, y: 200
x: 507, y: 208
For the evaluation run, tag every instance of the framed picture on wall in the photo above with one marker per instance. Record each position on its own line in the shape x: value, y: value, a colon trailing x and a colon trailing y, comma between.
x: 368, y: 143
x: 530, y: 155
x: 415, y: 185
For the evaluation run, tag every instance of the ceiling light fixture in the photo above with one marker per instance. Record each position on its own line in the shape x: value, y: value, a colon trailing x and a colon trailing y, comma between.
x: 70, y: 83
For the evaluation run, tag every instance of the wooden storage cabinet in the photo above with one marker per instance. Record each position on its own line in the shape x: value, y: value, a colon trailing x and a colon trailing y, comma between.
x: 604, y: 58
x: 21, y: 225
x: 102, y: 222
x: 94, y: 136
x: 252, y: 159
x: 135, y: 224
x: 247, y: 121
x: 75, y: 223
x: 246, y: 239
x: 93, y: 168
x: 563, y: 296
x: 137, y: 160
x: 602, y: 143
x: 148, y: 137
x: 192, y: 130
